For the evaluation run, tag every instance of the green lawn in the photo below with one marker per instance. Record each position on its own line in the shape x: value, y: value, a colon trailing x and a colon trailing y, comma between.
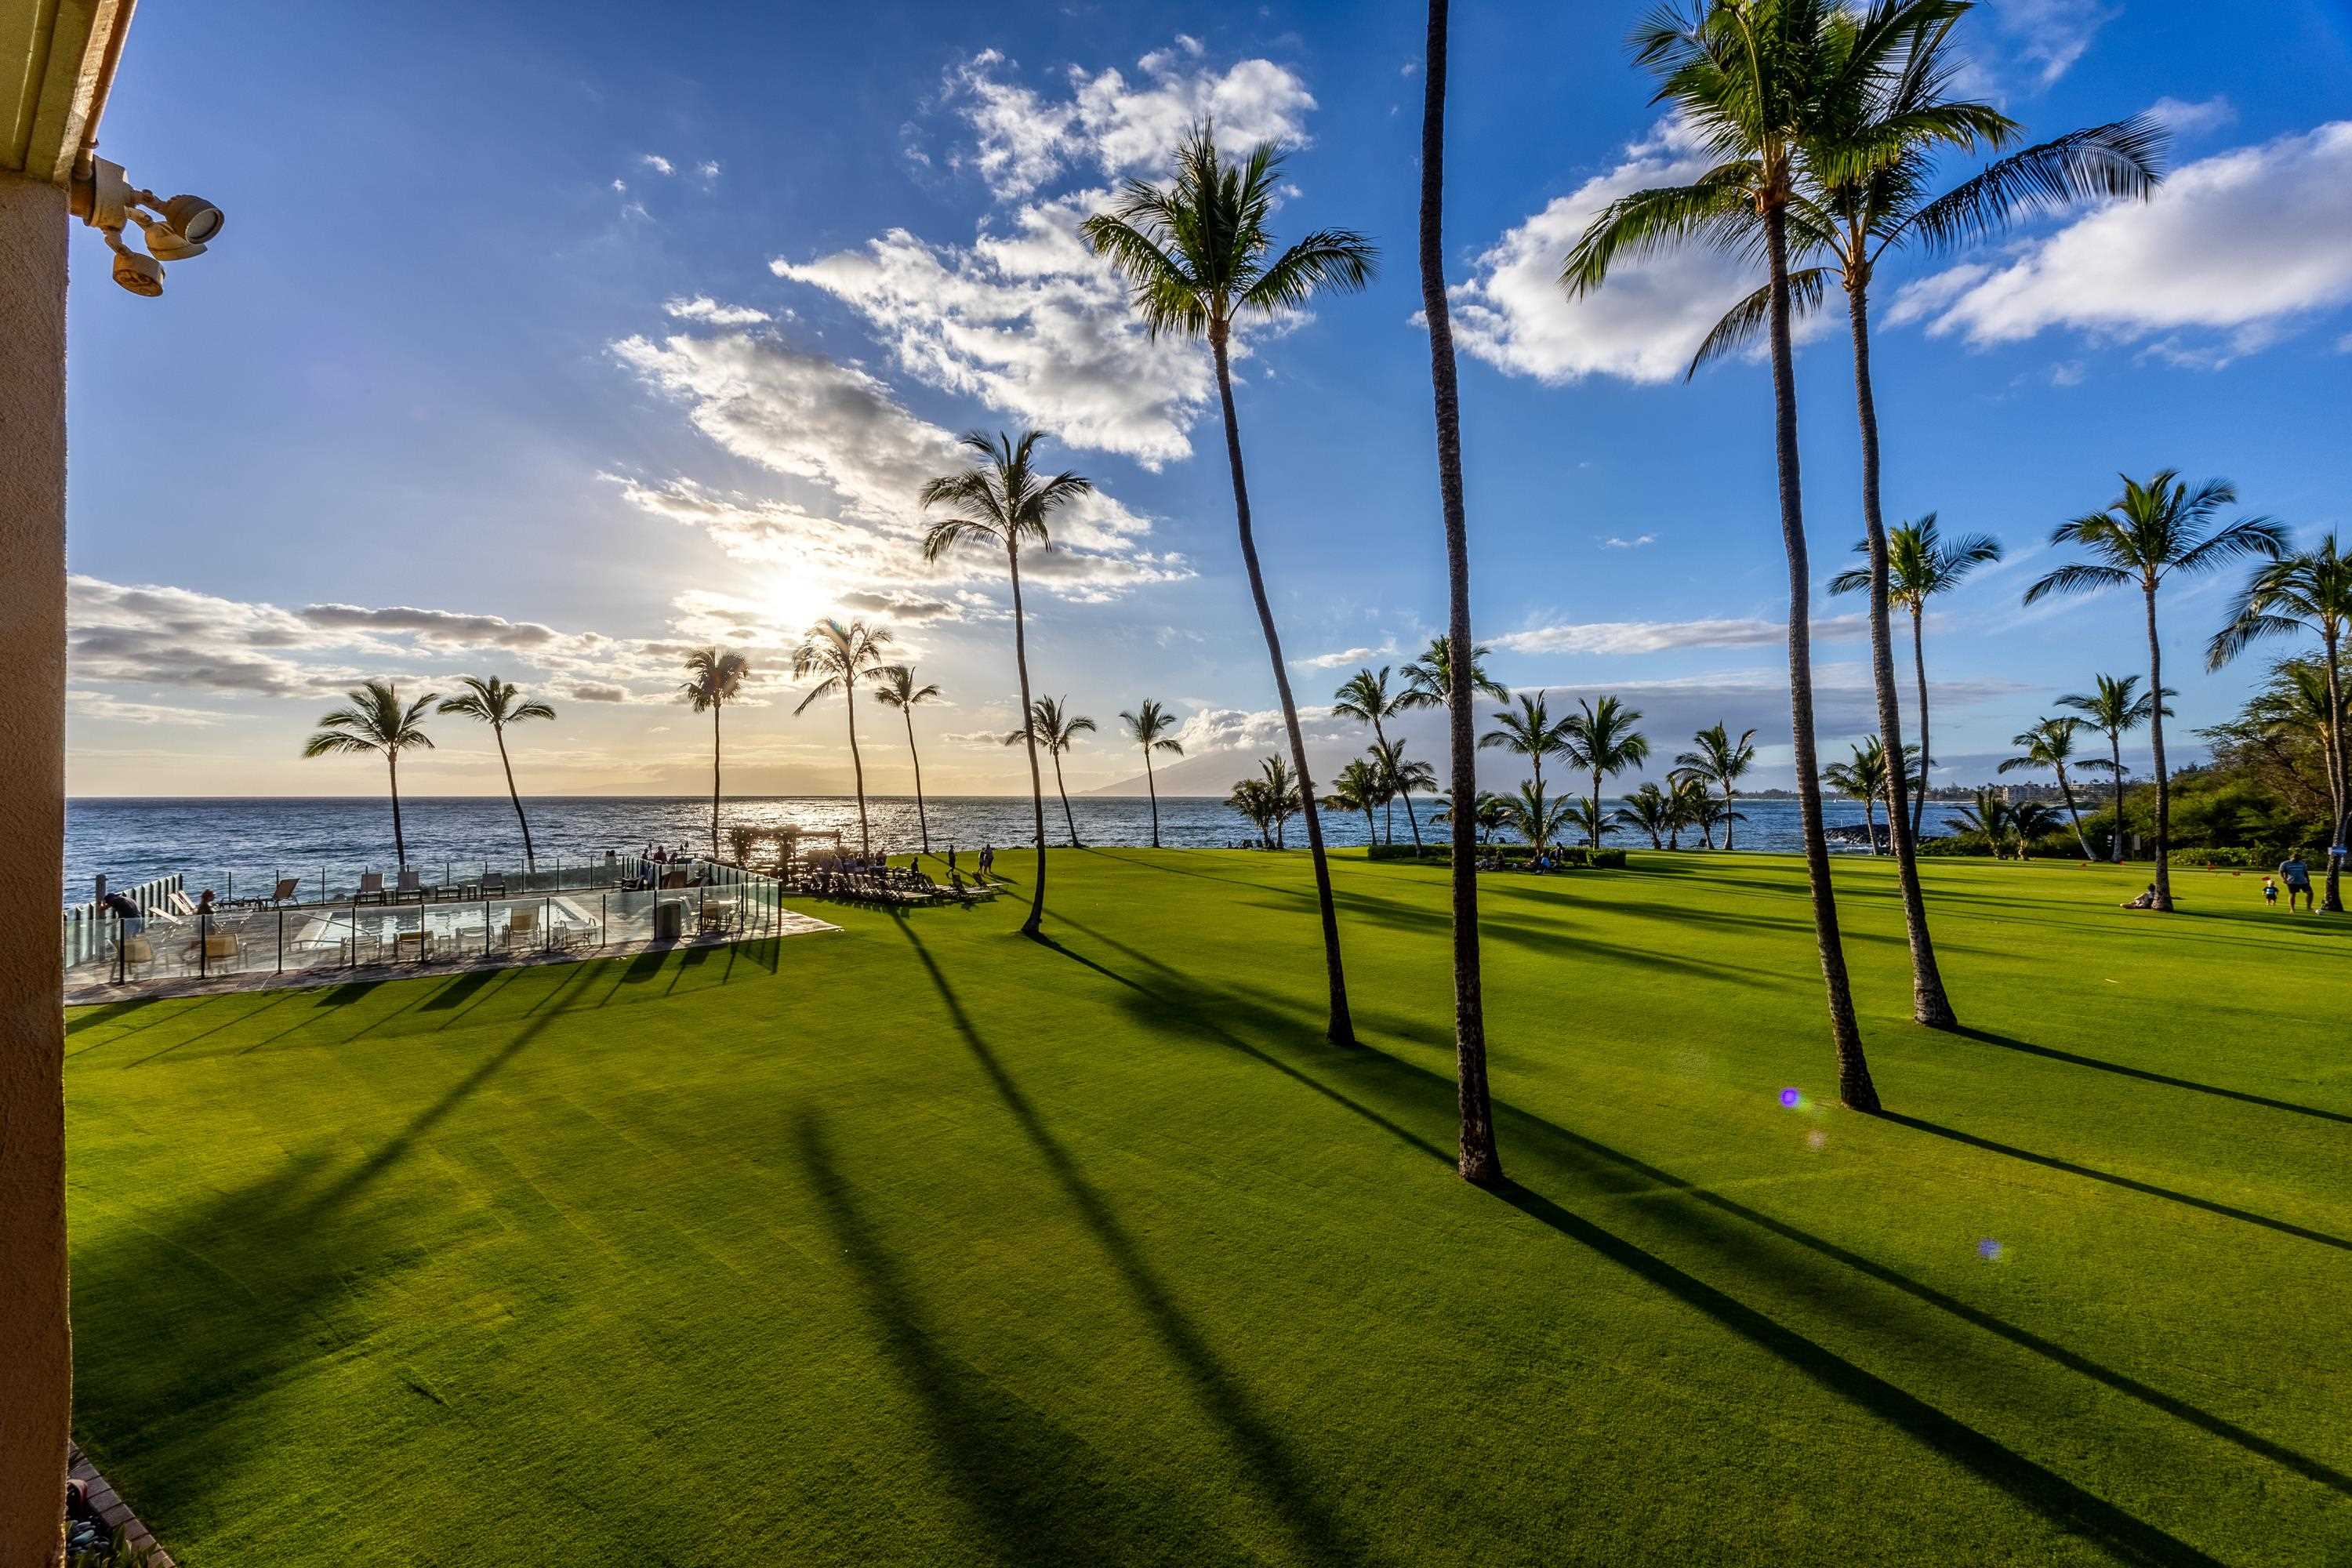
x: 922, y: 1243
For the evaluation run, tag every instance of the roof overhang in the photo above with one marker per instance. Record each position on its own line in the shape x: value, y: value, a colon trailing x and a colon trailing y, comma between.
x: 59, y: 57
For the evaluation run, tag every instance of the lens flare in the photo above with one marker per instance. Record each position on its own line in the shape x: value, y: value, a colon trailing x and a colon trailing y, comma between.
x: 1817, y: 1139
x: 1790, y: 1100
x: 1988, y: 1249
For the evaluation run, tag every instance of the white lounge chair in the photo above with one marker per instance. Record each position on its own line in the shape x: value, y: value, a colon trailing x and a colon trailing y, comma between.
x: 523, y: 925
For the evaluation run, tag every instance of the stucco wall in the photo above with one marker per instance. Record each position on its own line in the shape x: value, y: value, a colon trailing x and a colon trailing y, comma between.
x: 35, y: 1361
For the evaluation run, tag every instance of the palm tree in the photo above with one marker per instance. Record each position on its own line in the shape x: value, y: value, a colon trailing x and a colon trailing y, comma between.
x: 1366, y: 699
x: 2307, y: 593
x: 1478, y: 1160
x: 1399, y: 775
x: 1283, y: 793
x: 2152, y: 532
x: 1987, y: 817
x: 376, y: 720
x: 1866, y: 188
x: 1429, y: 679
x: 1651, y: 810
x: 1531, y: 733
x: 1255, y: 802
x: 1920, y: 565
x: 1722, y: 762
x: 1863, y: 779
x: 840, y: 654
x: 1357, y: 788
x: 1195, y: 256
x: 1489, y: 815
x: 498, y: 703
x: 1537, y: 818
x: 1689, y: 805
x: 2030, y: 821
x: 1603, y: 740
x: 2114, y: 711
x: 894, y: 687
x: 1001, y: 500
x: 1757, y: 82
x: 2051, y: 744
x: 1149, y: 727
x: 1053, y: 727
x: 713, y: 679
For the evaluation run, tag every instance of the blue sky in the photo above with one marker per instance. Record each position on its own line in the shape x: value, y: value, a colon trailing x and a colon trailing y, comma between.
x: 550, y: 341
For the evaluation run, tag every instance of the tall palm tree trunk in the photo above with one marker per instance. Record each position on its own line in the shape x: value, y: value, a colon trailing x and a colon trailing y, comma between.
x: 1036, y: 780
x: 1069, y: 821
x: 399, y: 844
x: 529, y: 860
x: 923, y: 814
x: 1152, y: 784
x: 1870, y: 821
x: 2155, y: 741
x: 1730, y: 803
x: 1854, y: 1085
x: 1595, y: 834
x: 1478, y: 1160
x: 856, y: 764
x: 714, y: 778
x: 1919, y: 674
x: 1341, y: 1027
x: 1930, y: 1005
x: 2067, y: 791
x: 2115, y: 839
x: 2339, y: 779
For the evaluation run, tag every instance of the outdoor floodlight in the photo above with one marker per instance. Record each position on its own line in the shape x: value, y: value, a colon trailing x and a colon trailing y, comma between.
x: 173, y: 230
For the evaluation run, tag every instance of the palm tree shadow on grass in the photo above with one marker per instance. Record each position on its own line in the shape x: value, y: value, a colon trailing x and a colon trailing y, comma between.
x: 2149, y: 1189
x: 1043, y: 1493
x: 1265, y: 1458
x: 1421, y: 1094
x: 250, y: 1282
x: 2006, y: 1042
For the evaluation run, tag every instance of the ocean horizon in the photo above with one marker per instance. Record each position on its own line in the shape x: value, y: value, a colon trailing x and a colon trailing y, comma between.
x: 240, y: 846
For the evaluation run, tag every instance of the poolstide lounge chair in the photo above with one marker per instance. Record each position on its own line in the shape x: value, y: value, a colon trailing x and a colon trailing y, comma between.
x: 412, y: 886
x: 523, y: 926
x: 371, y: 888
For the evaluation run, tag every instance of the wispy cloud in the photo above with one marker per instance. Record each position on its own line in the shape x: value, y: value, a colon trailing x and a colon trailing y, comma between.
x: 656, y: 163
x: 1659, y: 636
x: 1636, y: 543
x: 703, y: 307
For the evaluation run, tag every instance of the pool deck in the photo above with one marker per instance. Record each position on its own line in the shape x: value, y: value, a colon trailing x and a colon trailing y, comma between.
x: 787, y: 923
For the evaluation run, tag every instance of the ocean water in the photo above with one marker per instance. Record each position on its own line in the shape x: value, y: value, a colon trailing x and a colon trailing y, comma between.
x: 239, y: 848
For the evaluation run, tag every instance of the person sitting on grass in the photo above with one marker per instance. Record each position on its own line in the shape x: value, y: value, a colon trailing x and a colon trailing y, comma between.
x: 2145, y: 901
x: 2296, y: 875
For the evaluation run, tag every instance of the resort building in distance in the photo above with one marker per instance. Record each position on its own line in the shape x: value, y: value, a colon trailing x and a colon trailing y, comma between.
x: 1058, y: 786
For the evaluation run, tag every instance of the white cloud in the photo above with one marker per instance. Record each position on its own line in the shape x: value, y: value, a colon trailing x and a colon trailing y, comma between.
x: 703, y: 307
x: 1214, y: 730
x: 1662, y: 637
x: 1024, y: 139
x: 1636, y: 543
x: 656, y: 163
x: 1030, y: 323
x: 622, y: 186
x: 708, y: 169
x: 165, y: 638
x: 2051, y: 34
x: 84, y: 703
x: 1644, y: 324
x: 838, y: 426
x: 2240, y: 243
x: 2185, y: 118
x: 1346, y: 656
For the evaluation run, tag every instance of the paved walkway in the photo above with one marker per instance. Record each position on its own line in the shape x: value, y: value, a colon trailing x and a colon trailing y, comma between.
x: 787, y: 923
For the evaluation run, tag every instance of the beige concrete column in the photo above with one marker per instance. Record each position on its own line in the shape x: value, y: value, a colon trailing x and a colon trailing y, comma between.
x: 36, y: 1345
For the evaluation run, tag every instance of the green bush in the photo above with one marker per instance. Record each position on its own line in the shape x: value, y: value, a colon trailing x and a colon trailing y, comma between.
x: 2237, y: 856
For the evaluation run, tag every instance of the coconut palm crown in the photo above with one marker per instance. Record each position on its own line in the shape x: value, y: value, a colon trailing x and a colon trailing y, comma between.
x: 498, y: 703
x: 377, y: 722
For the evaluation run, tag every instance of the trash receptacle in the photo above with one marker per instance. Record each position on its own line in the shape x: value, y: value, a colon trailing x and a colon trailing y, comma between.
x: 669, y: 920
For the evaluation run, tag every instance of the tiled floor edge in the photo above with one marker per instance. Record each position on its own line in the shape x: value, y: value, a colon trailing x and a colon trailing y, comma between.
x: 115, y: 1511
